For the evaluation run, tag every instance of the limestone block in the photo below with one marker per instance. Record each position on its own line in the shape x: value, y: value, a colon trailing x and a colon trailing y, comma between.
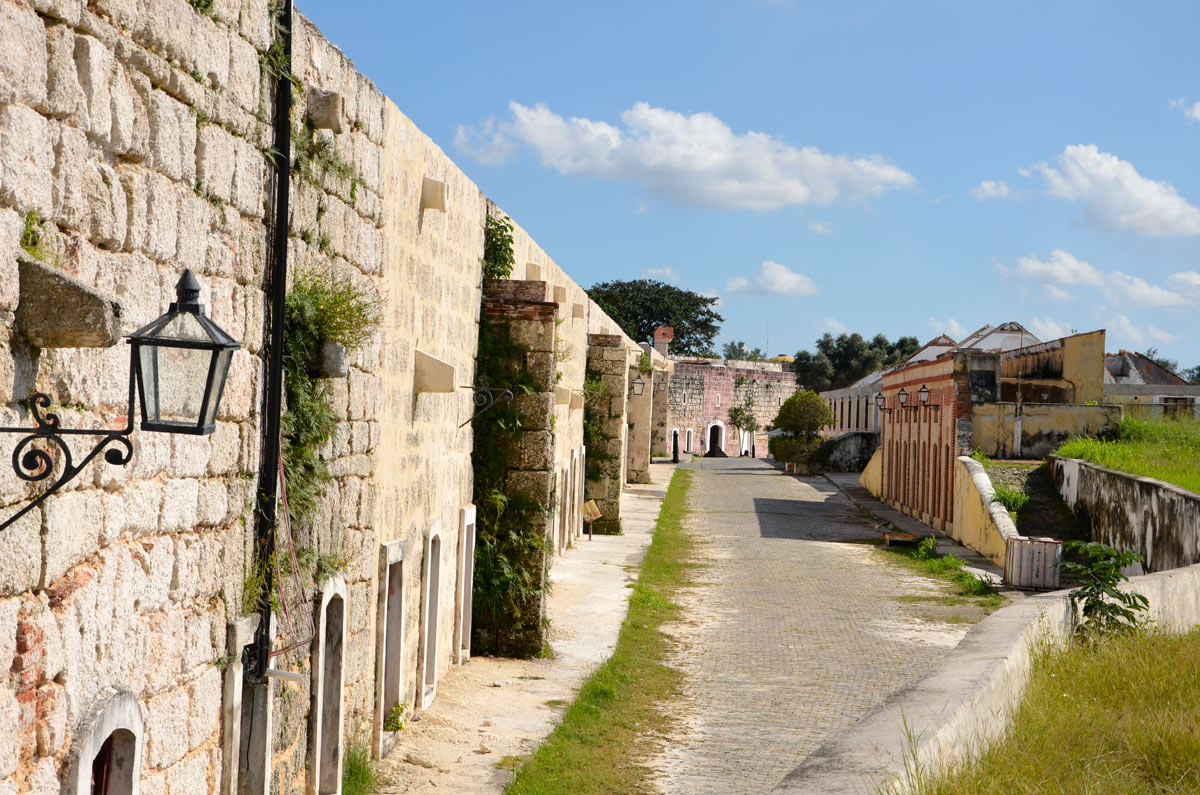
x: 537, y: 334
x: 64, y: 95
x: 11, y: 225
x: 205, y: 713
x: 139, y: 145
x: 212, y: 503
x: 52, y: 727
x: 215, y: 161
x: 26, y: 157
x: 251, y: 254
x: 244, y: 73
x: 114, y: 519
x: 537, y: 485
x: 162, y: 217
x: 72, y: 531
x: 22, y: 55
x: 210, y: 52
x: 255, y: 23
x: 71, y: 156
x: 121, y: 12
x: 66, y: 10
x: 180, y: 501
x: 10, y: 741
x: 167, y: 728
x: 541, y: 368
x: 154, y: 785
x: 151, y: 456
x: 189, y: 455
x: 58, y: 311
x: 95, y: 65
x: 537, y: 450
x: 223, y: 446
x: 241, y: 387
x: 159, y: 565
x: 107, y: 207
x: 191, y: 241
x: 536, y: 410
x: 134, y: 185
x: 9, y: 610
x: 172, y: 138
x: 249, y: 453
x: 250, y: 176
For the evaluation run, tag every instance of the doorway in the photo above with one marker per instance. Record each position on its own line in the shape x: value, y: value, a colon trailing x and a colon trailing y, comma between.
x: 466, y: 588
x: 714, y: 440
x: 431, y: 613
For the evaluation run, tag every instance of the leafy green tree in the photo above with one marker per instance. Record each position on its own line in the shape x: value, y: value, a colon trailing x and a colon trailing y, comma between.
x: 842, y: 360
x: 498, y: 257
x: 1191, y: 375
x: 738, y: 350
x: 803, y: 415
x: 1162, y: 361
x: 642, y: 305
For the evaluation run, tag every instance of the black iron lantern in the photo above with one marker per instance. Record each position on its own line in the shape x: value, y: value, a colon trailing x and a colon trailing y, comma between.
x: 180, y: 362
x: 923, y: 394
x: 879, y: 398
x: 902, y: 396
x: 637, y: 386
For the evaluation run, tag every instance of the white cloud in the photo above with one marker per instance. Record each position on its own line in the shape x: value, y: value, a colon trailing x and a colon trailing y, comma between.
x: 1061, y: 268
x: 1115, y: 196
x: 951, y: 327
x: 1056, y: 293
x: 990, y: 189
x: 1048, y: 329
x: 1190, y: 111
x: 821, y: 227
x: 1126, y: 332
x: 694, y: 159
x: 1124, y: 289
x: 773, y: 279
x: 833, y: 326
x: 665, y: 274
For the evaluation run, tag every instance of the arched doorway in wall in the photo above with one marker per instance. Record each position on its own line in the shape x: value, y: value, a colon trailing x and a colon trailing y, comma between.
x: 716, y: 439
x: 466, y: 584
x: 107, y: 758
x: 328, y: 683
x: 389, y: 651
x: 430, y: 614
x: 744, y: 438
x: 687, y: 447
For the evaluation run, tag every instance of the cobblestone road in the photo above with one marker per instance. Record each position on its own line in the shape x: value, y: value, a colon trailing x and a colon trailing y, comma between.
x: 792, y: 635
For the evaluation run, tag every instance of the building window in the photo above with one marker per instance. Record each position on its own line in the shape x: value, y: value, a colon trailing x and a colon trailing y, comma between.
x: 430, y: 615
x: 328, y: 683
x: 389, y: 660
x: 718, y: 400
x: 108, y: 757
x: 466, y: 580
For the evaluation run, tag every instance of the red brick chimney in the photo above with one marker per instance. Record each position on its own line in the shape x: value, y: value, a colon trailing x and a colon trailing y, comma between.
x: 662, y: 338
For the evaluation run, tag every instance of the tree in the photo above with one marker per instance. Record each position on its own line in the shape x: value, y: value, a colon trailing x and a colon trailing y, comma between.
x: 803, y: 415
x: 738, y: 350
x: 841, y: 361
x: 1191, y: 375
x: 1163, y: 362
x: 642, y: 305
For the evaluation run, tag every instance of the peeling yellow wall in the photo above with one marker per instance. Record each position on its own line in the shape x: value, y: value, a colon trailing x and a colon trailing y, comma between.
x: 976, y: 521
x: 871, y: 478
x: 1044, y: 426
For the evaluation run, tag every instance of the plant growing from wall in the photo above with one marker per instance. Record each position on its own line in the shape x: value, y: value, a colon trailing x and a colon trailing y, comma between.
x: 595, y: 412
x: 317, y: 158
x: 498, y: 259
x: 31, y: 236
x: 511, y: 547
x: 1106, y: 609
x: 645, y: 366
x: 320, y: 308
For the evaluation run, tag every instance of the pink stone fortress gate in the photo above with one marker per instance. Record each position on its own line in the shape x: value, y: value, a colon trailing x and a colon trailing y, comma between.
x: 703, y: 390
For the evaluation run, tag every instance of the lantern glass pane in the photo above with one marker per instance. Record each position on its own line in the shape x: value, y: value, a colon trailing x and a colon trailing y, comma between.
x: 217, y: 387
x: 174, y: 380
x: 184, y: 326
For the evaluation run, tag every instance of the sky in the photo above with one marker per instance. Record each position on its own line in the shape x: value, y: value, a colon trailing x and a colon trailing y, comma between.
x: 871, y: 166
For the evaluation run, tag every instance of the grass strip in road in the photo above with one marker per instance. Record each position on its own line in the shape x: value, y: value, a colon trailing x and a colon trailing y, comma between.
x: 1117, y: 715
x: 605, y: 735
x: 923, y: 559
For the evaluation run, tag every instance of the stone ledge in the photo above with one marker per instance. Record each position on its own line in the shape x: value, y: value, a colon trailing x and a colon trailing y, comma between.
x: 57, y: 310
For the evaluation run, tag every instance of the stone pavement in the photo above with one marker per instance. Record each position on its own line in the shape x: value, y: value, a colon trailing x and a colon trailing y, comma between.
x: 792, y: 635
x: 493, y: 708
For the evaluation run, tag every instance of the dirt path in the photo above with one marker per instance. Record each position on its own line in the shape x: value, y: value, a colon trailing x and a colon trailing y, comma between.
x: 491, y: 711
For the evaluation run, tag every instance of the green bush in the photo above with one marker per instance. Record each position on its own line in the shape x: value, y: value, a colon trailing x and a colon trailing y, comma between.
x: 1105, y: 607
x: 1012, y: 499
x: 803, y: 414
x: 791, y: 450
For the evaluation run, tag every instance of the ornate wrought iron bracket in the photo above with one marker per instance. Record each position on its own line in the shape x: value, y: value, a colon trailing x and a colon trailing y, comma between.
x: 35, y: 464
x: 486, y: 397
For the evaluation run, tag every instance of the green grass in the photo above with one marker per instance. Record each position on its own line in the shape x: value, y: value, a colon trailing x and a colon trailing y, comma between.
x: 1113, y: 716
x: 923, y: 558
x: 1012, y: 499
x: 1165, y: 449
x: 359, y: 774
x: 606, y: 733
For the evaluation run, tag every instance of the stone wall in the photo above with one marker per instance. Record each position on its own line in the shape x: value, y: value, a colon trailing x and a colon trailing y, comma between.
x: 607, y: 359
x: 140, y: 135
x: 137, y: 132
x: 1158, y: 520
x: 1039, y: 429
x: 702, y: 392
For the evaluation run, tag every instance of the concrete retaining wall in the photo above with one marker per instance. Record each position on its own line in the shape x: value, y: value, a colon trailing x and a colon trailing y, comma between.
x: 948, y: 717
x: 979, y: 523
x: 1040, y: 428
x: 1159, y: 520
x: 849, y: 452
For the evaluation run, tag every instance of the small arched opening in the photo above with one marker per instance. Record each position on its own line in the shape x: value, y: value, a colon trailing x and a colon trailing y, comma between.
x: 108, y: 761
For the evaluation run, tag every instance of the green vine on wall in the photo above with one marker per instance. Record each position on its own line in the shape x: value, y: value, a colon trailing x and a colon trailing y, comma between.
x: 511, y: 545
x: 498, y: 259
x: 595, y: 412
x: 319, y: 309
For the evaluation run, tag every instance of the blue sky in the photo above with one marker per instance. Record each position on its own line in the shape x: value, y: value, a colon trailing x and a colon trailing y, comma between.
x: 862, y: 165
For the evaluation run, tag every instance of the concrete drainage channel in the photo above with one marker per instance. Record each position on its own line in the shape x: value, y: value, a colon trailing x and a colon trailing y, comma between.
x: 952, y: 714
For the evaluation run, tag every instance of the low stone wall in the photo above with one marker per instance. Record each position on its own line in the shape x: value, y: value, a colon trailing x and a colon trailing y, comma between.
x: 849, y: 452
x: 1039, y: 430
x: 871, y: 478
x: 952, y: 714
x: 1159, y: 520
x: 979, y: 523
